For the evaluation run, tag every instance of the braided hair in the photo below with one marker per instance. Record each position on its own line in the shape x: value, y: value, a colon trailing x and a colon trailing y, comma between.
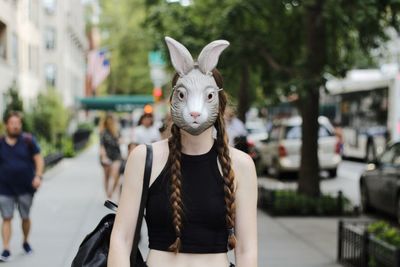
x: 174, y: 143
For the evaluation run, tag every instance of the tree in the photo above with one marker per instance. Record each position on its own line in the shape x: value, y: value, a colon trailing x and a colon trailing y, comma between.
x: 13, y: 100
x: 127, y: 41
x: 49, y: 117
x: 286, y: 46
x: 314, y: 37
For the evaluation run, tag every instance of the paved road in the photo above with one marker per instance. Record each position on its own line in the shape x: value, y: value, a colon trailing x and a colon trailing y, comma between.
x: 69, y: 205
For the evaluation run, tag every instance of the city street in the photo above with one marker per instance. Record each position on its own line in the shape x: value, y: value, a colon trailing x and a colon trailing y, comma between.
x: 275, y: 79
x: 69, y: 205
x: 347, y: 180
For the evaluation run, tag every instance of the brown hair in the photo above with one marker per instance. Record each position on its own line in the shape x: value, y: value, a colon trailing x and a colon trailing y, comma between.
x: 108, y: 123
x: 174, y: 143
x: 11, y: 114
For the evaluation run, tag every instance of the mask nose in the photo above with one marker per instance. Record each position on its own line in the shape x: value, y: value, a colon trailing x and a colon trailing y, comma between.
x: 195, y: 114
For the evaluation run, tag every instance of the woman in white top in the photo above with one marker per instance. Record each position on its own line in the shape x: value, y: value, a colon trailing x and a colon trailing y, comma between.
x: 146, y: 132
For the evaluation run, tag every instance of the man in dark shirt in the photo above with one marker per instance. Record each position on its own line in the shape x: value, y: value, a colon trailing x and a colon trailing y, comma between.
x: 21, y: 169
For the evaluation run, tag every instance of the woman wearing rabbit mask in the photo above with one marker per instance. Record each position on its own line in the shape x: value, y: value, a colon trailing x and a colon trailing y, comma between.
x: 203, y: 193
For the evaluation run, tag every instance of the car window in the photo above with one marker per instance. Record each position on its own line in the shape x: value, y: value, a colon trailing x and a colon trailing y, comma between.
x: 388, y: 156
x: 294, y: 132
x: 396, y: 157
x: 324, y: 132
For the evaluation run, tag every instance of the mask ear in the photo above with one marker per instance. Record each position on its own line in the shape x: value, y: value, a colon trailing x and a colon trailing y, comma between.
x: 181, y: 58
x: 208, y: 58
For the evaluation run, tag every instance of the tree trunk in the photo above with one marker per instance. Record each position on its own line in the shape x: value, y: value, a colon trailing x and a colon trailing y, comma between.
x: 243, y: 104
x: 309, y: 167
x: 309, y: 102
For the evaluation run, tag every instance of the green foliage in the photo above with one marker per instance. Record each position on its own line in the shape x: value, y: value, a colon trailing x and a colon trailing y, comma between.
x: 2, y: 128
x: 67, y: 147
x: 289, y: 202
x: 46, y: 148
x: 385, y: 232
x: 13, y: 100
x: 49, y: 117
x: 128, y: 43
x: 86, y: 126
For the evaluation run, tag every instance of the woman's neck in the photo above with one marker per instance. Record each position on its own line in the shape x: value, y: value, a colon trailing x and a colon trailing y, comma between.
x: 197, y: 144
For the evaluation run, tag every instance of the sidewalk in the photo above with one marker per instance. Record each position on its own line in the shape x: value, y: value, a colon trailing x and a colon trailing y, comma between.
x: 69, y: 205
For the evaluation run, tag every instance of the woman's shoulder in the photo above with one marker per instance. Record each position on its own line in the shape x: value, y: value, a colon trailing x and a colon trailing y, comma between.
x: 243, y: 166
x: 159, y: 147
x: 240, y: 159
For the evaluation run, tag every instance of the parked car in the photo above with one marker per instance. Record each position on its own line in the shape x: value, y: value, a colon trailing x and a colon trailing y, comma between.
x: 257, y: 131
x: 280, y: 152
x: 380, y: 183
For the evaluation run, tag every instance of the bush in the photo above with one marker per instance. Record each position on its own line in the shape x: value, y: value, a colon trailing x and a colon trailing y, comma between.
x: 289, y: 202
x: 68, y: 147
x: 46, y: 148
x: 49, y: 118
x: 86, y: 126
x: 385, y: 232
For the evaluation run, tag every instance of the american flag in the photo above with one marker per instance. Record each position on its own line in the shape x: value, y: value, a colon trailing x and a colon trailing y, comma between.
x: 98, y: 67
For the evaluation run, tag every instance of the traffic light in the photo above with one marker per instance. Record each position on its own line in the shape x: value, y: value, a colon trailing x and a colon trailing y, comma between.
x: 157, y: 93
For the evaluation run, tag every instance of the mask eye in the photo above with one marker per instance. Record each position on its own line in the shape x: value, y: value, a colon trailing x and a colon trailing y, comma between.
x: 181, y: 95
x: 210, y: 96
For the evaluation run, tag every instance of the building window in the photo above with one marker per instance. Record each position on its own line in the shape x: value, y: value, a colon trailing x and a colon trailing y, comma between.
x: 50, y: 38
x: 49, y: 6
x: 51, y: 73
x: 14, y: 41
x: 3, y: 41
x: 30, y: 57
x: 33, y: 11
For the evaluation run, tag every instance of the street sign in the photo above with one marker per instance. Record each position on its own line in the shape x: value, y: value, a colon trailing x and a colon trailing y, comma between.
x: 156, y: 58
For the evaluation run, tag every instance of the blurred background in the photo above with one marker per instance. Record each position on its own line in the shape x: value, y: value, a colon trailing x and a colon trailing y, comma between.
x: 314, y: 91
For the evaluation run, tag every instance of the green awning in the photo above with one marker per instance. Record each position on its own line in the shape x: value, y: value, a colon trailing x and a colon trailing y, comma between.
x: 116, y: 102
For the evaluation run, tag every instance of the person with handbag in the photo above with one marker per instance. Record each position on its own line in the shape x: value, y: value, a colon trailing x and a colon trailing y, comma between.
x: 110, y: 153
x: 202, y: 195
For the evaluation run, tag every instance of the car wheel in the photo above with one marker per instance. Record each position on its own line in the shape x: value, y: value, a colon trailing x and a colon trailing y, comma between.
x: 332, y: 173
x: 365, y: 205
x: 370, y: 157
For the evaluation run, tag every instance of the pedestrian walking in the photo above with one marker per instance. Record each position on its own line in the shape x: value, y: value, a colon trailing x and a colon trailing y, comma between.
x: 21, y: 170
x: 146, y: 132
x: 110, y: 153
x: 202, y: 197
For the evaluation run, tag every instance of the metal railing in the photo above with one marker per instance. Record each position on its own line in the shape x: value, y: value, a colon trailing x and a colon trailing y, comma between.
x: 358, y: 248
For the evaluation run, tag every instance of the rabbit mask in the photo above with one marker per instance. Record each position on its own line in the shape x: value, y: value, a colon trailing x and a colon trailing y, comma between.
x: 194, y: 100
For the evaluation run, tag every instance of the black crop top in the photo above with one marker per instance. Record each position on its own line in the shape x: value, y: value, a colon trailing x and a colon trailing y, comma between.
x: 204, y: 228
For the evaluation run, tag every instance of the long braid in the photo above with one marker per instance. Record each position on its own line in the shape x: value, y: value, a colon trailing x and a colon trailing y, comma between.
x: 174, y: 144
x: 229, y: 177
x: 225, y: 161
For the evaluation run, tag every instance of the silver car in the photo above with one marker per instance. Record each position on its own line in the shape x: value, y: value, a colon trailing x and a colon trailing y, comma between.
x: 280, y: 152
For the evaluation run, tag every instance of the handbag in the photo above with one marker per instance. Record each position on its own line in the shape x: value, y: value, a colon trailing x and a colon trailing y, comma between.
x: 93, y: 251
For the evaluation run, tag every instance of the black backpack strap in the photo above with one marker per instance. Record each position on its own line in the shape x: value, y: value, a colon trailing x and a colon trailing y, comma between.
x: 146, y: 181
x: 28, y: 140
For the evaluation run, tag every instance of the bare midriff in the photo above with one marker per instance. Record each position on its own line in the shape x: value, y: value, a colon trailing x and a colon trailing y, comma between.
x: 158, y: 258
